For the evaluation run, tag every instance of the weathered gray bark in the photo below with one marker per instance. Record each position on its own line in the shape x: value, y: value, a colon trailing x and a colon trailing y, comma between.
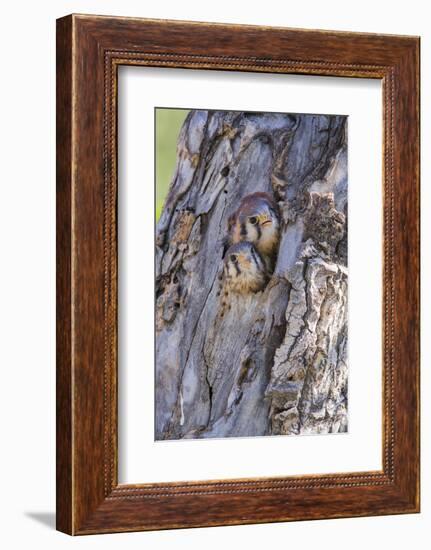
x: 275, y: 363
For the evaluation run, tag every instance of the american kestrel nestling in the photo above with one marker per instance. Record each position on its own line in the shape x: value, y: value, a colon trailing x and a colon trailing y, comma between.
x: 244, y: 271
x: 257, y: 221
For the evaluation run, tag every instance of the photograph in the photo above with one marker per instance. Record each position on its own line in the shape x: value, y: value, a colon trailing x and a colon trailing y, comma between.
x: 251, y: 273
x: 215, y: 234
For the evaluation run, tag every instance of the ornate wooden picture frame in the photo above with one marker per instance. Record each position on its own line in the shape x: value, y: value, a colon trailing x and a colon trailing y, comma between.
x: 89, y: 51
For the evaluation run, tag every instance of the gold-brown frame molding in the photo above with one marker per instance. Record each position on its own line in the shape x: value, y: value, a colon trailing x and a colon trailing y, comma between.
x: 89, y: 51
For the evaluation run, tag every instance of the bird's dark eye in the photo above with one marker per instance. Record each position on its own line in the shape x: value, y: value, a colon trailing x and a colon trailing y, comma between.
x: 253, y: 220
x: 233, y: 257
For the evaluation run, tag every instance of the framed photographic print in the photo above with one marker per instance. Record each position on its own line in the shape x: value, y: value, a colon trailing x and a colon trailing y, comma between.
x: 237, y: 274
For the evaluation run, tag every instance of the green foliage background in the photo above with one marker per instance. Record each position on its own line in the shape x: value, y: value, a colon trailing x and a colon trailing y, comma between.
x: 168, y: 125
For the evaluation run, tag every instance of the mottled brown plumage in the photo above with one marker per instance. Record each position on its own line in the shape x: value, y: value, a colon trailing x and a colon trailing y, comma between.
x: 257, y: 221
x: 244, y: 271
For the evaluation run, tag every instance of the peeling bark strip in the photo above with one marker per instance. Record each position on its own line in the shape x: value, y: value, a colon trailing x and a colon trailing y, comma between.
x: 275, y: 361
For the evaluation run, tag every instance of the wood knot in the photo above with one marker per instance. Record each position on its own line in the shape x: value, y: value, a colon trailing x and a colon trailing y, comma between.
x: 225, y: 171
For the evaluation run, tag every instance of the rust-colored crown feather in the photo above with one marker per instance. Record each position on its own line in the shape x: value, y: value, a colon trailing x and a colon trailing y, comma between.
x: 257, y: 221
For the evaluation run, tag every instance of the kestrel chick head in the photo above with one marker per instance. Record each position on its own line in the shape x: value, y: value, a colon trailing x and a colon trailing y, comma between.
x: 244, y: 269
x: 257, y: 221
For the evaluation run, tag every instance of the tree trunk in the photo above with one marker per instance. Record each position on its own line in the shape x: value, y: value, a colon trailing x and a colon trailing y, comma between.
x: 276, y: 362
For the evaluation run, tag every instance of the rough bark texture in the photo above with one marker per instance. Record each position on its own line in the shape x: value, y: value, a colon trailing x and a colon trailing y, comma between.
x: 276, y: 362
